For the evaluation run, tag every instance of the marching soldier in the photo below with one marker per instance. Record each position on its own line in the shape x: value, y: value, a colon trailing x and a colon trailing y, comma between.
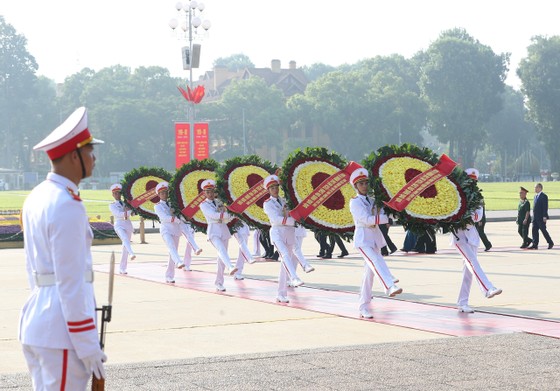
x: 123, y: 226
x: 57, y: 327
x: 368, y: 240
x: 218, y: 232
x: 282, y: 234
x: 170, y: 231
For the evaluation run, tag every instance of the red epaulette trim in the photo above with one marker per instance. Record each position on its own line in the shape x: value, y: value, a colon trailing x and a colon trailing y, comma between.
x: 80, y: 326
x: 74, y: 195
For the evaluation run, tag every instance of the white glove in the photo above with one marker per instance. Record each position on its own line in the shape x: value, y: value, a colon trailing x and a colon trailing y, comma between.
x: 94, y: 364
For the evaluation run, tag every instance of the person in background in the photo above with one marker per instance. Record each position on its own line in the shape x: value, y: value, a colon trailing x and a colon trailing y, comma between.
x: 57, y: 326
x: 282, y: 234
x: 123, y: 226
x: 170, y: 231
x: 540, y: 217
x: 473, y: 174
x: 524, y: 217
x: 390, y: 248
x: 466, y: 241
x: 410, y: 240
x: 336, y: 239
x: 218, y: 232
x: 368, y: 240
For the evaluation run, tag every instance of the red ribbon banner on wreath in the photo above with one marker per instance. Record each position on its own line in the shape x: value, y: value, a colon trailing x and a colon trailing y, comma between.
x: 323, y: 192
x: 421, y: 182
x: 255, y: 193
x: 135, y: 203
x: 193, y: 206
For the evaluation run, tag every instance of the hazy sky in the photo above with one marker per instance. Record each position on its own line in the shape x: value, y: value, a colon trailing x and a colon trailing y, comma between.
x: 68, y: 35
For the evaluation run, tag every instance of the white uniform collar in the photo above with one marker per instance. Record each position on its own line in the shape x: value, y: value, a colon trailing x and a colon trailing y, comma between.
x: 61, y: 180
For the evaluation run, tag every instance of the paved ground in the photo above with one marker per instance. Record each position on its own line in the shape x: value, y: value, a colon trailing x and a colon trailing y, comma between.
x: 171, y: 338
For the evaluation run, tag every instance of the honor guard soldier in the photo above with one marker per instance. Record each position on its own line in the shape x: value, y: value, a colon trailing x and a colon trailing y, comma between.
x: 282, y: 235
x: 369, y: 240
x: 218, y: 232
x: 467, y: 241
x: 169, y: 230
x: 244, y: 255
x: 57, y: 326
x: 123, y: 226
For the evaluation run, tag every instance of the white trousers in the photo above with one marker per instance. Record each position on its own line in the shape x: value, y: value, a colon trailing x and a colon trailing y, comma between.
x: 471, y: 267
x: 299, y: 253
x: 256, y: 243
x: 124, y: 235
x: 221, y: 246
x: 172, y: 243
x: 374, y: 265
x: 55, y: 369
x: 244, y: 254
x: 287, y: 266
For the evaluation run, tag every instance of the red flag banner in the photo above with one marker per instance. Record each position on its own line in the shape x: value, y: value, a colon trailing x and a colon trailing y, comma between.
x: 421, y: 182
x: 323, y: 192
x: 182, y: 144
x: 255, y: 193
x: 201, y: 141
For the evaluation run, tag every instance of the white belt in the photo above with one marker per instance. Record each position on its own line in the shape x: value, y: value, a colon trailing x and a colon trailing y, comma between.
x: 49, y: 279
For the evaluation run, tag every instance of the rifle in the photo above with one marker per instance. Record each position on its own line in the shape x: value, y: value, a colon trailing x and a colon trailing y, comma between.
x: 106, y: 312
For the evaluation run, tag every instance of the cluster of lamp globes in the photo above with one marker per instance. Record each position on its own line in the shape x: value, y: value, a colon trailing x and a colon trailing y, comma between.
x: 190, y: 7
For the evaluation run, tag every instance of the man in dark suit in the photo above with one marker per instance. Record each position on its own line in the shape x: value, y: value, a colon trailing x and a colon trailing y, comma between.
x: 540, y: 216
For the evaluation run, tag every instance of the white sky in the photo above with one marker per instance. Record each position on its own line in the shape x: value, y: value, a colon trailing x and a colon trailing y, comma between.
x: 68, y: 35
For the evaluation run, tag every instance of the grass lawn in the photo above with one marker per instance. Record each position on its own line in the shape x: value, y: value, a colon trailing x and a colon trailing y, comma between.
x: 498, y: 196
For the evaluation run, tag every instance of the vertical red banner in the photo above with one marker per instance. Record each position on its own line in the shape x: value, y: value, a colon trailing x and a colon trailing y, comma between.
x: 182, y: 146
x: 182, y: 143
x: 201, y: 141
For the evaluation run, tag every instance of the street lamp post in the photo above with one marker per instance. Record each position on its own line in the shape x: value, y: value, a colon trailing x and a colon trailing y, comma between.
x: 190, y: 59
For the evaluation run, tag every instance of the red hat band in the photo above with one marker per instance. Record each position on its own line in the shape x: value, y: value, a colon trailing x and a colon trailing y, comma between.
x: 78, y: 141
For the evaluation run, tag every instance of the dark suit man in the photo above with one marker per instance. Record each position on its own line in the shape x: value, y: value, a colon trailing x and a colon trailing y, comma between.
x: 540, y: 216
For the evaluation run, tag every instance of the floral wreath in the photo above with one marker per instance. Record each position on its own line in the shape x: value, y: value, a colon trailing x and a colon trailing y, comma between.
x: 447, y: 204
x: 236, y: 176
x: 302, y: 172
x: 185, y: 186
x: 139, y: 180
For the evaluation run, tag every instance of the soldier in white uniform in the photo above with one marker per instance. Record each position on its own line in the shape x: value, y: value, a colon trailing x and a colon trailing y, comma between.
x: 218, y: 232
x: 57, y: 326
x: 123, y: 226
x: 467, y: 241
x: 368, y: 240
x: 282, y: 235
x: 170, y: 231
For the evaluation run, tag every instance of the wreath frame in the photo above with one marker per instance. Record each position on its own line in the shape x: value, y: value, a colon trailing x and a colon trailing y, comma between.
x: 469, y: 193
x: 298, y: 157
x: 132, y: 176
x: 223, y: 173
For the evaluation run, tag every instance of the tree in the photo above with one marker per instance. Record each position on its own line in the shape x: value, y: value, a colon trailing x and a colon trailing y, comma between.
x: 315, y: 71
x: 508, y: 132
x: 461, y: 81
x: 234, y: 62
x: 364, y: 108
x: 540, y: 76
x: 249, y: 104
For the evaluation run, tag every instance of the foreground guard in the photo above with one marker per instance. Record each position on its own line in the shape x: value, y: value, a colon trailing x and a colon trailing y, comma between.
x: 57, y: 326
x: 368, y: 240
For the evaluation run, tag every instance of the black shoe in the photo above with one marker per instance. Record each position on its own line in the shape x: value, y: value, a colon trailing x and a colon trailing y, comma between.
x: 550, y: 245
x: 524, y: 245
x: 385, y: 253
x: 327, y: 256
x: 393, y: 250
x: 533, y: 248
x: 488, y: 248
x: 343, y: 254
x: 320, y: 255
x: 275, y: 256
x: 529, y: 241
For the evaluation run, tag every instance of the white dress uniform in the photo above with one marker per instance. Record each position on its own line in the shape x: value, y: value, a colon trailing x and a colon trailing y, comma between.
x: 467, y: 241
x: 170, y: 230
x: 368, y: 239
x: 124, y: 229
x: 282, y: 235
x: 218, y: 235
x: 57, y: 326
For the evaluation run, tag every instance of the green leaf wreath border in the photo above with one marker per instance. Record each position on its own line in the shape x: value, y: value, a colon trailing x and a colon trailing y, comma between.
x: 132, y: 176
